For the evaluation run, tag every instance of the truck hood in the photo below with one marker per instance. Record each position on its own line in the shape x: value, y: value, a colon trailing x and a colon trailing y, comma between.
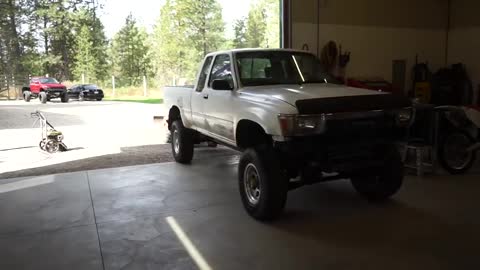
x: 328, y: 98
x: 53, y: 85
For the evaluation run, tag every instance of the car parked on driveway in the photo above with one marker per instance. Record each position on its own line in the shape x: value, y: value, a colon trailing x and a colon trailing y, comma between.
x: 45, y: 88
x: 294, y: 126
x: 86, y: 92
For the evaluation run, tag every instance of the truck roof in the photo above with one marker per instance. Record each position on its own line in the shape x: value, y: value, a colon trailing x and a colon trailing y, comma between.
x: 256, y: 50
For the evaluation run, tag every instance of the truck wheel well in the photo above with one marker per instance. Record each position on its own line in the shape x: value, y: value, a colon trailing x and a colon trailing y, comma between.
x: 249, y: 133
x: 173, y: 114
x: 25, y: 89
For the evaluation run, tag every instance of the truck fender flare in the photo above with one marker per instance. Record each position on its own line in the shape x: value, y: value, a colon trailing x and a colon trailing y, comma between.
x: 175, y: 113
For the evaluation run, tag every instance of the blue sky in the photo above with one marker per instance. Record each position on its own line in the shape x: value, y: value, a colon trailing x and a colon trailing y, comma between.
x: 147, y: 11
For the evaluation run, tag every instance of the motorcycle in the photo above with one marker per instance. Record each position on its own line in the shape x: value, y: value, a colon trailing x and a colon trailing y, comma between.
x: 458, y: 137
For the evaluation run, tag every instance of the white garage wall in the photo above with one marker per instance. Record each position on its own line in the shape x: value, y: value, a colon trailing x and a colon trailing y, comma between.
x: 375, y: 31
x: 464, y: 39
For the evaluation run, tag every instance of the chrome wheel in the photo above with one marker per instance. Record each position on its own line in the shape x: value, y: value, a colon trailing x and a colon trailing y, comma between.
x: 252, y: 184
x: 176, y: 141
x: 456, y: 154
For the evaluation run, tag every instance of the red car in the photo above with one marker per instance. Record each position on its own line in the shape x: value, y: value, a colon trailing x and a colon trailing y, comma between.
x: 45, y: 89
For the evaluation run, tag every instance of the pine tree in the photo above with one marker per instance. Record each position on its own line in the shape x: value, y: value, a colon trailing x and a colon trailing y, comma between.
x: 130, y: 52
x: 85, y: 60
x: 185, y: 32
x: 203, y: 24
x: 256, y: 26
x: 86, y: 17
x: 272, y: 34
x: 240, y: 39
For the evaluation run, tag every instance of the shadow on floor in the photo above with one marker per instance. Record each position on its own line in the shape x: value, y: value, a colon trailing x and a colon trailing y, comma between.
x: 128, y: 156
x: 17, y: 148
x: 340, y: 218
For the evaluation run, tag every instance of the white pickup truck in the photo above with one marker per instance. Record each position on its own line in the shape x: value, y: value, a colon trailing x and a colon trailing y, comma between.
x: 294, y: 125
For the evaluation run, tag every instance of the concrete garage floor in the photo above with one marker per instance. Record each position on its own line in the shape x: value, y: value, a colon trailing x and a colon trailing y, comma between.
x: 171, y: 216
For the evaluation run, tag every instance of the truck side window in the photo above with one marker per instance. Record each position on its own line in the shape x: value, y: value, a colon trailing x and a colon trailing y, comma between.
x: 221, y: 69
x: 203, y: 74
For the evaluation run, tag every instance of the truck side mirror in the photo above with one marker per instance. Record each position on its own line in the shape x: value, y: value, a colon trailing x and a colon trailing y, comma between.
x: 221, y: 85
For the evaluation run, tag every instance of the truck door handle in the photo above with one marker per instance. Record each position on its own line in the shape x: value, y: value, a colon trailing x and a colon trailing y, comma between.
x: 205, y: 96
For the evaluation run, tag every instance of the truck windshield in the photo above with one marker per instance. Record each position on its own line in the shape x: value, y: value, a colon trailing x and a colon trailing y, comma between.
x: 48, y: 80
x: 280, y: 67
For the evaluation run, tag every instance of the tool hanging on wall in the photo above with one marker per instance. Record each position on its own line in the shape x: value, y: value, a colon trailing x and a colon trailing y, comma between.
x: 335, y: 60
x: 343, y: 58
x: 329, y: 56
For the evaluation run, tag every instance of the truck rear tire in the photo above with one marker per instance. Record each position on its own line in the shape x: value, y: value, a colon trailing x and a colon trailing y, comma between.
x: 182, y: 142
x: 27, y: 95
x: 263, y: 187
x: 43, y: 97
x: 65, y: 98
x: 387, y: 182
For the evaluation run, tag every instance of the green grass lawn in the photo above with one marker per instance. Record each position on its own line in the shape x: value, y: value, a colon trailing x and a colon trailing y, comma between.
x: 136, y: 99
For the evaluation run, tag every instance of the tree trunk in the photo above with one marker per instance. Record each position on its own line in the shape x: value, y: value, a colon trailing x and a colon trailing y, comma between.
x: 14, y: 44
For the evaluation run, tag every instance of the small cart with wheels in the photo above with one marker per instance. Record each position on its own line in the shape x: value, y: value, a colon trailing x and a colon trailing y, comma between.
x: 52, y: 139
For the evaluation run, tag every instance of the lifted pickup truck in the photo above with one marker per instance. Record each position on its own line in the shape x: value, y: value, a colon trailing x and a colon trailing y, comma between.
x: 45, y: 89
x: 294, y: 125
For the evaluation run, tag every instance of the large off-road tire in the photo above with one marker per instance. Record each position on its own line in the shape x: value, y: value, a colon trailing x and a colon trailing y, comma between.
x: 387, y: 181
x: 263, y: 186
x: 27, y: 95
x: 42, y: 97
x: 453, y: 155
x: 182, y: 142
x: 64, y: 98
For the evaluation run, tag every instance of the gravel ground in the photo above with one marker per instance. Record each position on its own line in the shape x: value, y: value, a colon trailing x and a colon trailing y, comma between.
x: 98, y: 134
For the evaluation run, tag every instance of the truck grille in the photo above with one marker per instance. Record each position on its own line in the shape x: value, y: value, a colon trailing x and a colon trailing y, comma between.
x: 351, y: 104
x: 361, y: 128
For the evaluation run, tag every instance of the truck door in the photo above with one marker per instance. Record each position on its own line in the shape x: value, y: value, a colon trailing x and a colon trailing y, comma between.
x: 199, y: 96
x: 35, y: 85
x: 218, y: 106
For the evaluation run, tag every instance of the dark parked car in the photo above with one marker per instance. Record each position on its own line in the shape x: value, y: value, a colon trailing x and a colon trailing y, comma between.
x: 86, y: 92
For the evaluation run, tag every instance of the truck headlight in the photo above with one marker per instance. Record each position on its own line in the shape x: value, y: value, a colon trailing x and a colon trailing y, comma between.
x: 403, y: 117
x: 301, y: 124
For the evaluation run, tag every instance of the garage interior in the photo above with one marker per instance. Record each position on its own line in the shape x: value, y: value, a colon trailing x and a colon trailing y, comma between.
x: 173, y: 216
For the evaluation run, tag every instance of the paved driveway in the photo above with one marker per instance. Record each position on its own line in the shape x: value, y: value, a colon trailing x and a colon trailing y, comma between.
x: 99, y: 134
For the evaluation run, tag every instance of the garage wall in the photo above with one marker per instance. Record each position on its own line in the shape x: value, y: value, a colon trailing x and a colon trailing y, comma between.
x: 464, y: 38
x: 375, y: 31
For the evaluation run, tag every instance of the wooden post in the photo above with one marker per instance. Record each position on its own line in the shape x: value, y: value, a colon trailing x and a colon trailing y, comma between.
x: 8, y: 87
x: 15, y: 87
x: 144, y: 86
x: 83, y: 78
x: 113, y: 86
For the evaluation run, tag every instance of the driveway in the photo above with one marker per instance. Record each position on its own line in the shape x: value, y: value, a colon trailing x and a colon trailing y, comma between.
x: 99, y: 135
